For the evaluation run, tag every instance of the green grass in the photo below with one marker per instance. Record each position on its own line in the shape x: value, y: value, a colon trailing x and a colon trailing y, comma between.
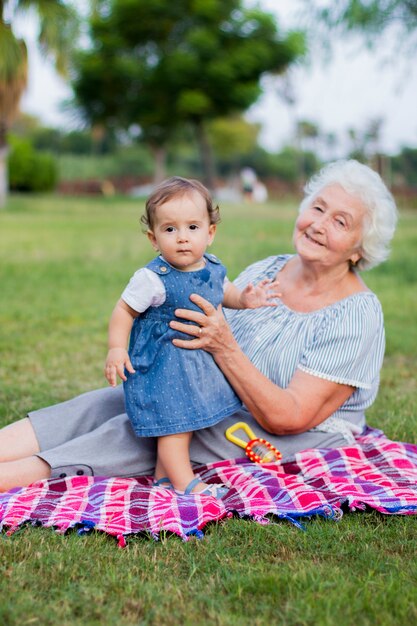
x: 63, y: 263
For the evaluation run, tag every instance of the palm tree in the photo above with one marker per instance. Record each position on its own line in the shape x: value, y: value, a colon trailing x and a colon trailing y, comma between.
x: 58, y: 27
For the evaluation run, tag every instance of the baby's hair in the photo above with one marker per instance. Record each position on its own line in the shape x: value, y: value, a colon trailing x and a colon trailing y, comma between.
x: 172, y: 188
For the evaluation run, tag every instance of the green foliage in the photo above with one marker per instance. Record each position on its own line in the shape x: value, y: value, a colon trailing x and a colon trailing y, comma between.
x: 30, y: 170
x: 233, y: 137
x: 61, y: 141
x: 133, y: 160
x: 368, y: 17
x: 57, y: 34
x: 125, y: 161
x: 404, y: 166
x: 13, y: 56
x: 289, y: 164
x: 162, y: 64
x: 72, y: 142
x: 44, y: 138
x: 58, y: 30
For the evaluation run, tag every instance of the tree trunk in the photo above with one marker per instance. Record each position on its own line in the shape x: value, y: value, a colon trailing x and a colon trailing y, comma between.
x: 206, y: 156
x: 4, y: 183
x: 160, y: 157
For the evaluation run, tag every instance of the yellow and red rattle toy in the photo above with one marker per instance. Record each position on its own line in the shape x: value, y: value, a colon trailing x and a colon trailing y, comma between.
x: 258, y: 450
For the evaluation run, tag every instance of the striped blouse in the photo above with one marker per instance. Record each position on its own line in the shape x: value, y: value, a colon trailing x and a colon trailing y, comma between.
x: 343, y: 342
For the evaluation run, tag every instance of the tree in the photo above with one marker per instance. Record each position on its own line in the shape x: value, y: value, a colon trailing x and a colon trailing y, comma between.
x: 307, y: 134
x: 283, y: 165
x: 58, y: 24
x: 233, y: 136
x: 369, y: 17
x: 404, y: 166
x: 163, y: 65
x: 365, y: 142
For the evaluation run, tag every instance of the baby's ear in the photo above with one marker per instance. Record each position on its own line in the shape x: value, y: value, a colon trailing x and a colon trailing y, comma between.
x: 152, y: 239
x: 212, y: 233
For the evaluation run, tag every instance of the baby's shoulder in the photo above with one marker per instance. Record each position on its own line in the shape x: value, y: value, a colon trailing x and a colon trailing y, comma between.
x: 159, y: 266
x: 212, y: 258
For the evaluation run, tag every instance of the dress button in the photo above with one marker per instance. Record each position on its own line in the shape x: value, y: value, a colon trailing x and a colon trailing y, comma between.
x: 63, y: 475
x: 163, y: 268
x: 80, y: 472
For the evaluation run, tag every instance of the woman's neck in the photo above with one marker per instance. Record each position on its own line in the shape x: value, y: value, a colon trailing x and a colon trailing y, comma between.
x: 308, y: 286
x: 318, y: 279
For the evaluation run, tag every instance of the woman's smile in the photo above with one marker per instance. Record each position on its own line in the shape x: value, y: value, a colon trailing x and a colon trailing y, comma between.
x: 312, y: 240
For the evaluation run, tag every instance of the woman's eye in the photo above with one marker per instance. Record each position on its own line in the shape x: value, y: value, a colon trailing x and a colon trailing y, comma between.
x: 318, y: 208
x: 341, y: 223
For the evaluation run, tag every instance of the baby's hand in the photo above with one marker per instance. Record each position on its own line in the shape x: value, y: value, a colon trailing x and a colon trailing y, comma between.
x: 262, y: 294
x: 116, y: 362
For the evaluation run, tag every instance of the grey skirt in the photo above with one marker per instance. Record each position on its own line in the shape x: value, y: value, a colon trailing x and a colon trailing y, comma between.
x: 91, y: 434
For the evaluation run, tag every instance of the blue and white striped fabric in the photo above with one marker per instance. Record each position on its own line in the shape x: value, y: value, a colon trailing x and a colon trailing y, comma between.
x: 343, y: 342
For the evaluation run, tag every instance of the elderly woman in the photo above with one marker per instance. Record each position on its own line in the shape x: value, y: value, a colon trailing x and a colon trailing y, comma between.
x: 305, y: 370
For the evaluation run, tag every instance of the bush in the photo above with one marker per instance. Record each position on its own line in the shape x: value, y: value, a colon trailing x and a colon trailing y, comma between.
x: 30, y: 170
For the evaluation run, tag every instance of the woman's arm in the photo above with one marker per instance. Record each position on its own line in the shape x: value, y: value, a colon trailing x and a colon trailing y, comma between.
x: 306, y: 402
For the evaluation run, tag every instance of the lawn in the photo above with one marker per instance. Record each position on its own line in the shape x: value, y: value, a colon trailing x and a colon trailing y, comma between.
x: 63, y: 264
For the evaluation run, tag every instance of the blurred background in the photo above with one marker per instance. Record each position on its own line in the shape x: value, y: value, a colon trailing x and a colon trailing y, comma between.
x: 111, y: 96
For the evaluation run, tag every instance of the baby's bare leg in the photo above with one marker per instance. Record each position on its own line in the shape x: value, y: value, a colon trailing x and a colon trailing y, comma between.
x: 18, y: 441
x: 173, y: 460
x: 23, y: 472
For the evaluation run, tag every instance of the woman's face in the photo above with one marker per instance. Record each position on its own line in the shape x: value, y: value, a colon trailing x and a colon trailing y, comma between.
x: 330, y: 229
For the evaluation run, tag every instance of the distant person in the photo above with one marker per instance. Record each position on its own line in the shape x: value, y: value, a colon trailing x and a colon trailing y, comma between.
x: 306, y: 370
x: 248, y: 180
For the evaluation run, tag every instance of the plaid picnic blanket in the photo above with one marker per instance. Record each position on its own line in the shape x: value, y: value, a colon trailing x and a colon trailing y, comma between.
x: 375, y: 472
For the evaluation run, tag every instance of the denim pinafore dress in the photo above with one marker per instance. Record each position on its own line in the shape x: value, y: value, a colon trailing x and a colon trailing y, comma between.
x: 176, y: 390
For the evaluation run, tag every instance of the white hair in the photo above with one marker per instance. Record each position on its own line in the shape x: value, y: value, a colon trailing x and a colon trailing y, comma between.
x: 366, y: 185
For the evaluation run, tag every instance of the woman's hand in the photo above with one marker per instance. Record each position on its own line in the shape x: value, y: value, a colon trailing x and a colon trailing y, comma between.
x: 116, y: 362
x: 210, y: 330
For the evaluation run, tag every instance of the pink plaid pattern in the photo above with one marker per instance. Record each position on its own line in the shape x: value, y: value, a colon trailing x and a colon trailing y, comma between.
x: 375, y: 472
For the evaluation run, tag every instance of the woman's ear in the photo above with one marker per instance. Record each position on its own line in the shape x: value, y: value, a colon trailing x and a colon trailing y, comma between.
x: 152, y: 239
x: 355, y: 257
x: 212, y: 233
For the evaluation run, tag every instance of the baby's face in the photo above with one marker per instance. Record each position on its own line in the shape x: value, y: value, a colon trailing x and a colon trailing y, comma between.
x: 182, y: 231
